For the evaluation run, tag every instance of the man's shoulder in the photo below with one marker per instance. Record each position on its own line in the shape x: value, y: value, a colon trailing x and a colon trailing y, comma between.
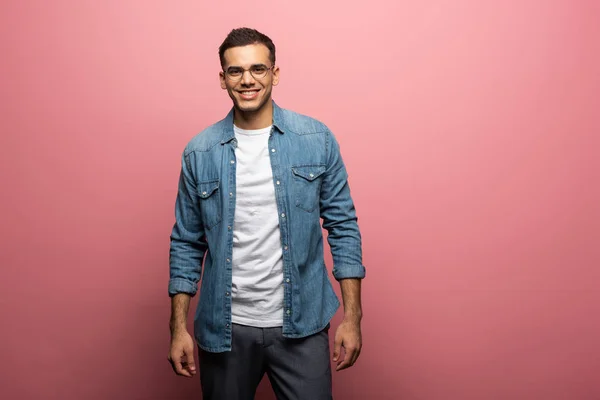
x: 206, y: 139
x: 302, y: 124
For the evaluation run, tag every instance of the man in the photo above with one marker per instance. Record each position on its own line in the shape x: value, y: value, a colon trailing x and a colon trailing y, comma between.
x: 252, y: 192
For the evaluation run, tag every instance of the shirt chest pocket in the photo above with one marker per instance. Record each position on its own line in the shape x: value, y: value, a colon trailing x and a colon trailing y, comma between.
x: 210, y: 203
x: 306, y: 184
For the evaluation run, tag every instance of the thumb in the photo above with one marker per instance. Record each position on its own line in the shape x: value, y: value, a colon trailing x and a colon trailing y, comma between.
x: 189, y: 355
x: 336, y: 349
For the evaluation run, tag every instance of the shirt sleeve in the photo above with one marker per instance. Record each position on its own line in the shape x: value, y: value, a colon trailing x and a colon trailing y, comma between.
x: 339, y: 216
x: 188, y: 244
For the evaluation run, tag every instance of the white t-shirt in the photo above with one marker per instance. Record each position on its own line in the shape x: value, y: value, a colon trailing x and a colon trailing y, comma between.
x: 257, y: 261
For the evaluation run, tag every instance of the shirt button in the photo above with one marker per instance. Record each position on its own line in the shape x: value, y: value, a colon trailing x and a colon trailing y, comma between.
x: 288, y: 312
x: 227, y: 325
x: 282, y: 215
x: 278, y: 182
x: 230, y: 194
x: 273, y: 150
x: 228, y: 260
x: 232, y: 161
x: 311, y: 175
x: 288, y: 281
x: 229, y: 228
x: 227, y: 294
x: 285, y: 247
x: 203, y: 193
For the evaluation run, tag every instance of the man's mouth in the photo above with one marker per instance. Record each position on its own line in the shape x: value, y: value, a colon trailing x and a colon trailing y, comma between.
x: 248, y: 94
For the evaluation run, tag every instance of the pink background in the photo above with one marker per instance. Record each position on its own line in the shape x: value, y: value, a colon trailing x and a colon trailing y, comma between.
x: 470, y: 131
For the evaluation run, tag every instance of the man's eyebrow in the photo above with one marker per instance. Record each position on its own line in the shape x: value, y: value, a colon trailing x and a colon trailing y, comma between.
x: 253, y: 65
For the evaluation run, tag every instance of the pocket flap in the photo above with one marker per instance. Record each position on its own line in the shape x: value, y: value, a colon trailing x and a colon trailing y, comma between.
x: 309, y: 172
x: 205, y: 189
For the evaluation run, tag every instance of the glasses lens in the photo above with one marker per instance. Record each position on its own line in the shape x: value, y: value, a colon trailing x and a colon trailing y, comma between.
x: 259, y: 71
x: 234, y: 73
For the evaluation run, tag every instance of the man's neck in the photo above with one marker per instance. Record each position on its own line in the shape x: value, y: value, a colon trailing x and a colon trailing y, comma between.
x: 258, y: 119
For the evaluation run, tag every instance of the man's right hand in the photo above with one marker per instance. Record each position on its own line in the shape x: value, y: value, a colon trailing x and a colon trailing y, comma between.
x: 181, y: 355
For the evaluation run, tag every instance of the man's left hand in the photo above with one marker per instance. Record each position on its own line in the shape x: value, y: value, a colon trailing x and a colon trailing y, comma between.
x: 349, y: 337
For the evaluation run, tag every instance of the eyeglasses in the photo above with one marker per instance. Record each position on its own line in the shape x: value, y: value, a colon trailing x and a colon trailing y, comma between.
x: 258, y: 71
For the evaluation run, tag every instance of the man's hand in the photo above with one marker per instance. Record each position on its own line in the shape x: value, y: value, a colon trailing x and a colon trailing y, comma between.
x: 181, y: 355
x: 349, y: 337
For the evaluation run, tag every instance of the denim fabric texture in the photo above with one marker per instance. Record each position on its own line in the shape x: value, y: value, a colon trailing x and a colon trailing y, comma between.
x: 311, y: 188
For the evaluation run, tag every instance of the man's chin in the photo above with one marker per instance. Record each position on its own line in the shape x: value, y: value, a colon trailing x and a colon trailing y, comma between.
x: 248, y: 106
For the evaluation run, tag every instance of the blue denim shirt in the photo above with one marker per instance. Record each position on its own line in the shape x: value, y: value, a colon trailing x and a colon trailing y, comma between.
x: 311, y: 183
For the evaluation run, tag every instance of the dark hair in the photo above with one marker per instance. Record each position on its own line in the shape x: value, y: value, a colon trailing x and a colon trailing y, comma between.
x: 245, y: 37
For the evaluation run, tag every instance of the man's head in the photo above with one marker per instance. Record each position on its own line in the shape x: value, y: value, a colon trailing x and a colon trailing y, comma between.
x: 249, y: 72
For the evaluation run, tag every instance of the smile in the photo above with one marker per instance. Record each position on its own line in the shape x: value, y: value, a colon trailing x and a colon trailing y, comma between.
x: 248, y: 94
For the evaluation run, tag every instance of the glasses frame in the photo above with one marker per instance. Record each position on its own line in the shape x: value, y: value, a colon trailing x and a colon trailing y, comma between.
x: 249, y: 70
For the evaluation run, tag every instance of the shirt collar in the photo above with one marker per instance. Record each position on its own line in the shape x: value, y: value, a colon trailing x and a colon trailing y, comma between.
x: 278, y: 122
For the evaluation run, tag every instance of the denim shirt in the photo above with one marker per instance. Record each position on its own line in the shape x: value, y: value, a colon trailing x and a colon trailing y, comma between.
x: 311, y: 183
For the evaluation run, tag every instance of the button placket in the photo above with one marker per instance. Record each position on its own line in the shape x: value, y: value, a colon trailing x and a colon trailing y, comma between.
x: 283, y: 225
x: 232, y: 172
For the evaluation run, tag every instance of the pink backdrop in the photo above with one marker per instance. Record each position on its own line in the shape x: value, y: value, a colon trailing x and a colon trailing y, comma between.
x: 470, y: 130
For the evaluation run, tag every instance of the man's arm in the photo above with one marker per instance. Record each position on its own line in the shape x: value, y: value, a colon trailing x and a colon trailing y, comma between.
x: 344, y: 238
x: 339, y: 217
x: 180, y: 304
x: 181, y: 352
x: 348, y: 335
x: 188, y: 244
x: 185, y: 266
x: 351, y: 299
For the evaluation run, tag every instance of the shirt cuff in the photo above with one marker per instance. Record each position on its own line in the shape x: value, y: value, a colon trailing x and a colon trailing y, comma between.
x: 179, y: 285
x: 349, y: 271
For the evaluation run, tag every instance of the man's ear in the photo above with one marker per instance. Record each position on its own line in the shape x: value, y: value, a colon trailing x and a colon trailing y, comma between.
x: 275, y: 75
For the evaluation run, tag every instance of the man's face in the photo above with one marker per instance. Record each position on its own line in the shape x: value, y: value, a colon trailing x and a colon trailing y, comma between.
x: 250, y: 76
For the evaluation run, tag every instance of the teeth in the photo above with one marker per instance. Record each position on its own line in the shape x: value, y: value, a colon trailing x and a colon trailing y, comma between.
x: 251, y: 92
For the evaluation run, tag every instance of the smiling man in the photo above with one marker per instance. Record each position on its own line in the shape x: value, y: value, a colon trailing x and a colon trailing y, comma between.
x: 253, y: 191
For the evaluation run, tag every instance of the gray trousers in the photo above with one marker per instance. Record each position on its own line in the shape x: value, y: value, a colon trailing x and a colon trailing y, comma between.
x: 298, y: 369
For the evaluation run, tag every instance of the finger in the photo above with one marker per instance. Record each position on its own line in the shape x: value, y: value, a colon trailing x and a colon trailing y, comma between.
x: 177, y: 364
x: 336, y: 349
x: 180, y: 369
x: 343, y: 364
x: 356, y: 355
x: 349, y: 356
x: 341, y: 360
x: 189, y: 356
x: 172, y: 362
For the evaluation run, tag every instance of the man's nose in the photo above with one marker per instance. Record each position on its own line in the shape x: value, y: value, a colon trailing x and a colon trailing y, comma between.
x: 247, y: 78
